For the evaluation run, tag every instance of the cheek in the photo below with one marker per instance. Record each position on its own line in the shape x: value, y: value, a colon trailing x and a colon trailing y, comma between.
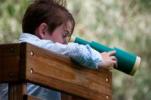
x: 58, y: 38
x: 62, y: 40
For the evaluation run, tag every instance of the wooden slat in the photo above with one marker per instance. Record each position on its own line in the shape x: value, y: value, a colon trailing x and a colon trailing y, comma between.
x: 29, y: 97
x: 65, y: 96
x: 16, y: 91
x: 9, y: 62
x: 58, y: 72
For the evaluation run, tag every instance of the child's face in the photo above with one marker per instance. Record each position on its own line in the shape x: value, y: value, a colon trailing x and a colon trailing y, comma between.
x: 62, y: 33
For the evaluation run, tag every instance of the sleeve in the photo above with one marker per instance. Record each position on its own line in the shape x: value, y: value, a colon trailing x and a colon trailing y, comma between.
x: 82, y: 54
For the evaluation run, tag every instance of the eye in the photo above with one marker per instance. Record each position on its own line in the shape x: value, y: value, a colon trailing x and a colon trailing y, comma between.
x: 66, y: 34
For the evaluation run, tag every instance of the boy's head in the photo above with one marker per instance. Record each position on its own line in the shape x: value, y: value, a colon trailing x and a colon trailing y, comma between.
x: 48, y: 20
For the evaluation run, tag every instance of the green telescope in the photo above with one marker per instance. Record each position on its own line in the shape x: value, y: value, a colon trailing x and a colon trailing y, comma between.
x: 127, y: 62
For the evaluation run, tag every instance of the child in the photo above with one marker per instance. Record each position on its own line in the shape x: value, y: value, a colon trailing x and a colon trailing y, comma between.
x: 49, y: 25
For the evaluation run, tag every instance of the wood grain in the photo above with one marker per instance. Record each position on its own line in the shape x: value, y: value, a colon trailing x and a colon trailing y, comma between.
x: 59, y: 72
x: 29, y: 97
x: 21, y: 63
x: 9, y: 62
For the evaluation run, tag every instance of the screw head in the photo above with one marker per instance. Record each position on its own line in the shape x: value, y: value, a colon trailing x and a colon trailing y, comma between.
x: 31, y: 53
x: 107, y: 97
x: 31, y: 70
x: 107, y: 79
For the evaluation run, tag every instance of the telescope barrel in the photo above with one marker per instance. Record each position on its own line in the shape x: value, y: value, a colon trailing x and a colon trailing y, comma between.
x: 127, y: 62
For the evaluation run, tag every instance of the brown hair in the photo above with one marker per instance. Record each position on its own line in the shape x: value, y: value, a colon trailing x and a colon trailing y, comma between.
x: 51, y: 12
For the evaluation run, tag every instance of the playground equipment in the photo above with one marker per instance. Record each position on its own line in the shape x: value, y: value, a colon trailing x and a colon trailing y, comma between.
x: 21, y: 63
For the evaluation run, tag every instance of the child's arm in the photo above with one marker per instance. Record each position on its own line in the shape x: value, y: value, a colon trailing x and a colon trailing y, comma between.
x: 84, y: 55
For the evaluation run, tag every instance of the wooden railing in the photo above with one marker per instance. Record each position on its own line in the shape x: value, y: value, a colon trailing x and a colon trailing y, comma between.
x: 21, y: 63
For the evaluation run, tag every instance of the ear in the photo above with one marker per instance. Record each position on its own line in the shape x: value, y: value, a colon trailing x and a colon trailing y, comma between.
x: 42, y: 30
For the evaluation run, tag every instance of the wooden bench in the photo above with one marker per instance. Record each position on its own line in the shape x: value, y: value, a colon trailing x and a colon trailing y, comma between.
x: 21, y: 63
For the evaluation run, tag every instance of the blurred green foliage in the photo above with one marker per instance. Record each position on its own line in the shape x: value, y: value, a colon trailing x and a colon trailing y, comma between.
x: 122, y: 23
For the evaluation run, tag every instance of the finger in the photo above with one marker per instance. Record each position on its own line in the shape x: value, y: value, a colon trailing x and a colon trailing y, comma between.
x: 111, y: 53
x: 115, y: 65
x: 113, y: 58
x: 113, y: 62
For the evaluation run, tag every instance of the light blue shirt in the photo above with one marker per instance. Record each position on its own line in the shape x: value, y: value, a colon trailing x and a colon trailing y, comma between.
x: 82, y: 54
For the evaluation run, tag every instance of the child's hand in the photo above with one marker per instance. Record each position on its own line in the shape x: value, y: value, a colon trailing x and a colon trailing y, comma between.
x: 109, y: 60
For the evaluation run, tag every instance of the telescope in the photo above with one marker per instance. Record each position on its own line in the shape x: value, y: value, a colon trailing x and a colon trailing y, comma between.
x: 126, y: 62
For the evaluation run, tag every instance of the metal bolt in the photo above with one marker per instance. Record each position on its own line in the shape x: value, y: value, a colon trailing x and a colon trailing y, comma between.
x: 107, y: 97
x: 31, y: 70
x: 107, y: 79
x: 31, y: 53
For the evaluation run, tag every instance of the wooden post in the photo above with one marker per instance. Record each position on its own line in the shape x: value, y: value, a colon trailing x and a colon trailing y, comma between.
x: 9, y: 62
x: 16, y: 91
